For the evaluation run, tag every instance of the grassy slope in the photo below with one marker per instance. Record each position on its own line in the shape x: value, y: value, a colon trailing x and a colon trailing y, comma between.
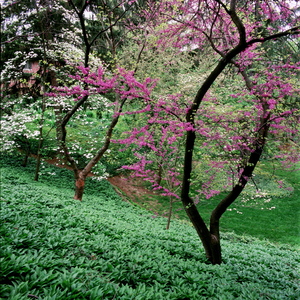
x: 279, y: 224
x: 54, y: 247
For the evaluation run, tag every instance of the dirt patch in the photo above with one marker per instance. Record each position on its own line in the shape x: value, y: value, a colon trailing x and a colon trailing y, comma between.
x: 130, y: 186
x: 133, y: 189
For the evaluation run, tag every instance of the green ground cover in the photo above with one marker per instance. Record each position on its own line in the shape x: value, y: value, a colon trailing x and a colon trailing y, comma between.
x: 53, y: 247
x: 272, y: 214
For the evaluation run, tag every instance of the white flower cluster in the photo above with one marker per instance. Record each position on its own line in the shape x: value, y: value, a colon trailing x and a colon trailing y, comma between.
x: 13, y: 126
x: 65, y: 103
x: 13, y: 68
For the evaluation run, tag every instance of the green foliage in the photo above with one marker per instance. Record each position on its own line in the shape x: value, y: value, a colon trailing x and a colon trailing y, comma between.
x: 275, y: 205
x: 54, y: 247
x: 85, y: 137
x: 266, y: 186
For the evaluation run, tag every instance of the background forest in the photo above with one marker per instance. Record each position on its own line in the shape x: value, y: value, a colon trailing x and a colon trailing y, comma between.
x: 195, y: 103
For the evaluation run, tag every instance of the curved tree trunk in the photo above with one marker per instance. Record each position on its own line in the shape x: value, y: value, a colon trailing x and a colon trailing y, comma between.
x: 80, y: 176
x: 211, y: 238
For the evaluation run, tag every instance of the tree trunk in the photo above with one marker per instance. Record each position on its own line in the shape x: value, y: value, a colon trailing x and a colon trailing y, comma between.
x: 41, y: 139
x: 79, y: 186
x: 159, y: 174
x: 216, y: 252
x: 38, y: 167
x: 27, y: 153
x: 58, y: 119
x: 25, y: 161
x: 210, y: 242
x: 39, y: 154
x: 170, y: 213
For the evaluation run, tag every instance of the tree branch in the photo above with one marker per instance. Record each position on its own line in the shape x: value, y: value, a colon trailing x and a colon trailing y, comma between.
x: 111, y: 25
x: 291, y: 31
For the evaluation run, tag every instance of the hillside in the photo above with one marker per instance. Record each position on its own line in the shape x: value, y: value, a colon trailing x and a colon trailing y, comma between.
x: 53, y: 247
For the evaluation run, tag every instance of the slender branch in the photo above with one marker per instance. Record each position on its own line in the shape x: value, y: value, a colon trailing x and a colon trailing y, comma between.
x: 172, y: 113
x: 244, y: 177
x: 69, y: 115
x: 80, y: 15
x: 256, y: 187
x: 21, y: 36
x: 212, y: 25
x: 291, y: 31
x: 74, y: 7
x: 106, y: 144
x: 139, y: 57
x: 84, y: 6
x: 111, y: 25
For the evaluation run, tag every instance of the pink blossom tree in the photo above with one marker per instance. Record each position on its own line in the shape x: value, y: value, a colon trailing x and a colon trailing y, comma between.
x: 99, y: 22
x: 123, y: 86
x: 157, y: 148
x: 236, y: 34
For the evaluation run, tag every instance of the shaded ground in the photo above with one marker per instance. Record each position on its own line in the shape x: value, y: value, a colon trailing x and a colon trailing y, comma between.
x: 133, y: 189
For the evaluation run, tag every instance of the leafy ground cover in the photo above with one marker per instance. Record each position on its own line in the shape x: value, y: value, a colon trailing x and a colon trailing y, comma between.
x: 53, y: 247
x: 273, y: 213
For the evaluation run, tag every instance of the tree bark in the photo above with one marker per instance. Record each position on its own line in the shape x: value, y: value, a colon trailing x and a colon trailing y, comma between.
x: 210, y: 242
x: 159, y: 174
x: 80, y: 175
x: 38, y: 167
x: 211, y: 238
x: 200, y: 227
x: 170, y: 213
x: 27, y: 153
x: 79, y: 187
x: 41, y: 140
x: 25, y: 161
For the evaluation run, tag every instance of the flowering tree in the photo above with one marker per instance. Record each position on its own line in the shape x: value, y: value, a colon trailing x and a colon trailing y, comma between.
x: 99, y: 23
x: 124, y: 87
x: 14, y: 131
x: 33, y: 43
x: 157, y: 148
x: 235, y: 33
x: 229, y: 128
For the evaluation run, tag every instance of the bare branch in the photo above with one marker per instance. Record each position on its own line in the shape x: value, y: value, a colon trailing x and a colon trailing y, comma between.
x: 294, y: 30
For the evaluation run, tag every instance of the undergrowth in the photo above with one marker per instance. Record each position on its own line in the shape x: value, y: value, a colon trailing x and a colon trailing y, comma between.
x: 272, y: 212
x: 53, y: 247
